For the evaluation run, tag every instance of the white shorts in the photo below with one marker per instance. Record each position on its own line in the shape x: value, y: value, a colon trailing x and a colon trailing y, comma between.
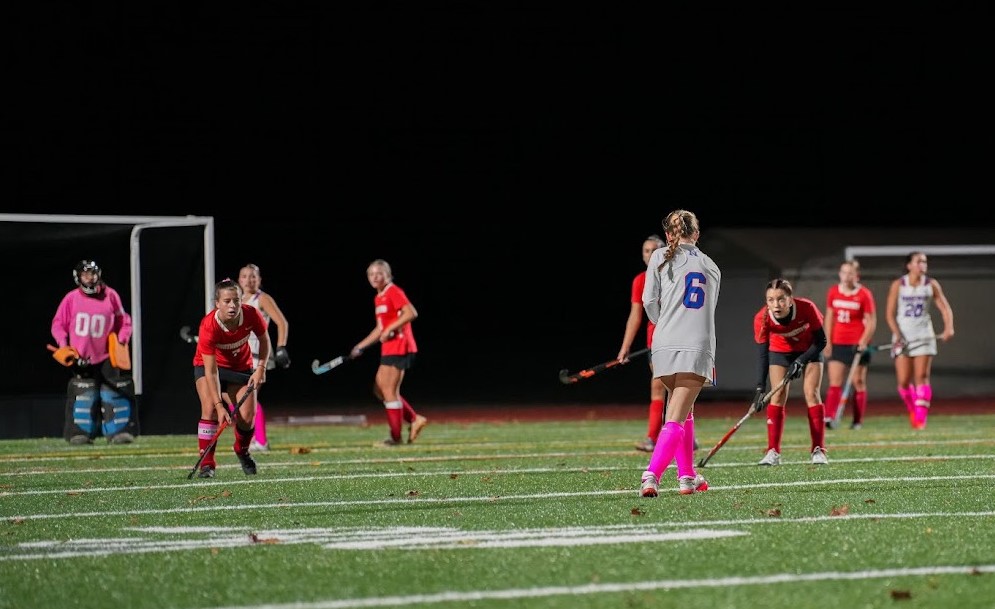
x: 666, y: 361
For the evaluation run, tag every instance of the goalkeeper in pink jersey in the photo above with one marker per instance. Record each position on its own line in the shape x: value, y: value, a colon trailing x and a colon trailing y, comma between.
x: 91, y: 331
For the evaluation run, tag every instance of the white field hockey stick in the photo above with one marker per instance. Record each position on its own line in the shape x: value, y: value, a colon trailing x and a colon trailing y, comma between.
x: 319, y: 368
x: 186, y: 336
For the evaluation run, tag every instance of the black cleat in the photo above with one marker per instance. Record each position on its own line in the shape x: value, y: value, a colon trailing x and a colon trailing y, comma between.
x: 248, y: 464
x: 206, y: 472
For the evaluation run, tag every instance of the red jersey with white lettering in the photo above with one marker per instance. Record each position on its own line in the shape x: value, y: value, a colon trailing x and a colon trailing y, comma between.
x: 229, y: 347
x: 637, y: 297
x: 387, y: 306
x: 848, y: 309
x: 792, y: 336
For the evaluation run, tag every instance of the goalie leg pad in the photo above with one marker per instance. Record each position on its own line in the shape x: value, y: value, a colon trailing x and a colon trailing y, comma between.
x: 80, y: 403
x: 118, y: 408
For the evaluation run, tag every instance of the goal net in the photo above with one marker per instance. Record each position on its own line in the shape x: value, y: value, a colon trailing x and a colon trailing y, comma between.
x: 163, y: 268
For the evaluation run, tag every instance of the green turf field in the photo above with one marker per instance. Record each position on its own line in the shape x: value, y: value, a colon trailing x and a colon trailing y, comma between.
x: 505, y: 515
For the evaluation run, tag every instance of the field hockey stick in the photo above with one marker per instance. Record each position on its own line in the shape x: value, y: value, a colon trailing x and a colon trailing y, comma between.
x: 319, y: 368
x: 567, y: 379
x: 186, y: 336
x: 848, y: 387
x: 763, y: 402
x: 224, y: 424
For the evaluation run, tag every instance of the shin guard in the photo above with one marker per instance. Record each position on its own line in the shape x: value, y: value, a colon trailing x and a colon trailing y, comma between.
x: 80, y: 403
x: 117, y: 404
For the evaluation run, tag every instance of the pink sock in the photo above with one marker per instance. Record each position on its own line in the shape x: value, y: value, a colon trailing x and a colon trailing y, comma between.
x: 667, y: 444
x: 909, y: 397
x: 924, y: 395
x: 260, y: 423
x: 685, y: 452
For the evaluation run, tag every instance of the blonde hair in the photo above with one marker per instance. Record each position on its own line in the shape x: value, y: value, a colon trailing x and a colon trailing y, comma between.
x: 679, y: 224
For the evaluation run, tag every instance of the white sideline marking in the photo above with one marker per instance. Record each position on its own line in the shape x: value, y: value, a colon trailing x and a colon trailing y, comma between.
x: 412, y: 474
x: 579, y: 590
x: 157, y: 540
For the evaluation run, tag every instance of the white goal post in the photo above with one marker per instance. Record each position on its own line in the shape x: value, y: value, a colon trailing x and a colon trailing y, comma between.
x: 139, y: 224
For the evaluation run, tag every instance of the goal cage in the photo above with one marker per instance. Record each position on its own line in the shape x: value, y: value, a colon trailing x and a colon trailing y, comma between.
x: 163, y: 268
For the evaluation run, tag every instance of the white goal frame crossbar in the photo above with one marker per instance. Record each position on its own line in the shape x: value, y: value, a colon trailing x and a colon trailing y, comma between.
x: 858, y: 251
x: 139, y: 224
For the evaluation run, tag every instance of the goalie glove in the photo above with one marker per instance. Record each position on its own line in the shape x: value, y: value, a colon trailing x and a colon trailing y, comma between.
x: 66, y: 356
x: 282, y: 357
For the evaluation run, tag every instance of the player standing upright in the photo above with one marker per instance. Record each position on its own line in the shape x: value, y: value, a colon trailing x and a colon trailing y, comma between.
x: 394, y: 314
x: 790, y: 337
x: 680, y: 296
x: 91, y: 328
x: 250, y: 280
x: 910, y: 299
x: 850, y: 322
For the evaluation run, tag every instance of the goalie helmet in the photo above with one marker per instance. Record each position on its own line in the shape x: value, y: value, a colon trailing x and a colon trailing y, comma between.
x: 93, y: 287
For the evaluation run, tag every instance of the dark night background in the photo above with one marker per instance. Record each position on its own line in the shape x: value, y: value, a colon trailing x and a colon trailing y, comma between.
x: 508, y: 162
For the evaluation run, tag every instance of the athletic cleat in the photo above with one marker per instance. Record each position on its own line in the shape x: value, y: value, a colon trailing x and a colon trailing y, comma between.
x: 257, y: 447
x: 122, y: 437
x: 416, y: 426
x: 830, y: 423
x: 248, y: 464
x: 80, y: 439
x: 650, y: 486
x: 388, y: 442
x: 692, y: 484
x: 771, y: 458
x: 856, y: 425
x: 819, y: 456
x: 206, y: 472
x: 646, y: 445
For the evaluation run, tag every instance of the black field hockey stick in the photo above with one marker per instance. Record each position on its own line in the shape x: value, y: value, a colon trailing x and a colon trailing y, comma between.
x: 221, y: 428
x: 568, y: 379
x: 763, y: 402
x: 186, y: 336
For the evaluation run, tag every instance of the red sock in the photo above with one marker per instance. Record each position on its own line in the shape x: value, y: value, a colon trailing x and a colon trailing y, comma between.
x: 833, y: 396
x: 775, y: 426
x: 409, y: 412
x: 655, y: 422
x: 242, y: 439
x: 395, y: 416
x: 206, y: 429
x: 817, y: 425
x: 859, y: 406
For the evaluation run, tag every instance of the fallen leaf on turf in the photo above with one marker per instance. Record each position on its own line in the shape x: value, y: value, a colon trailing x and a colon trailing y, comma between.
x: 17, y: 520
x: 842, y: 510
x: 453, y: 476
x: 869, y: 501
x: 412, y: 493
x: 774, y: 513
x: 901, y: 595
x: 636, y: 512
x: 226, y: 493
x: 299, y: 450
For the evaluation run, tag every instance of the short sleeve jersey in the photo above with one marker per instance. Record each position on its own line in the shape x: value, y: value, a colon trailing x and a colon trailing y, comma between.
x: 387, y: 306
x: 638, y: 284
x: 84, y: 322
x: 849, y: 309
x: 792, y: 336
x: 229, y: 347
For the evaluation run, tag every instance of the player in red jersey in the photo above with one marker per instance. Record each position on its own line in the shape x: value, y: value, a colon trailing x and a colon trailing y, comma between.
x: 224, y: 358
x: 850, y: 322
x: 790, y: 337
x: 658, y: 393
x: 394, y: 314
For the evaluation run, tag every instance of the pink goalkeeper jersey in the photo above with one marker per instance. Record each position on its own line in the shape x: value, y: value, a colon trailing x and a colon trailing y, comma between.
x: 85, y: 321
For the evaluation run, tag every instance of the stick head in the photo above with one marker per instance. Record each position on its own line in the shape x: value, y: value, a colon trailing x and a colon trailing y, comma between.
x: 565, y: 377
